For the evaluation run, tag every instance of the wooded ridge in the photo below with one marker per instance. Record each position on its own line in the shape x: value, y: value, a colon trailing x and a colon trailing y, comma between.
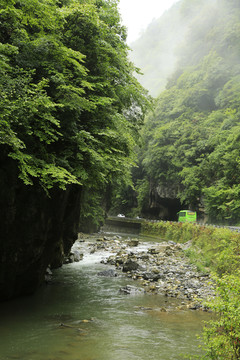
x: 190, y: 147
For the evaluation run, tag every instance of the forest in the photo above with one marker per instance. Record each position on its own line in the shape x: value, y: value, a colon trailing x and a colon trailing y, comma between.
x: 190, y: 141
x: 68, y: 94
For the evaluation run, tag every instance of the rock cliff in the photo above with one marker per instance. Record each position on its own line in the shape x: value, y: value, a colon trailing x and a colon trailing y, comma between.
x: 35, y: 230
x: 163, y: 202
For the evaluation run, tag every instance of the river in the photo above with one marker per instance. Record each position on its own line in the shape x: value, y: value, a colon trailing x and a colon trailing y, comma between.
x: 83, y: 316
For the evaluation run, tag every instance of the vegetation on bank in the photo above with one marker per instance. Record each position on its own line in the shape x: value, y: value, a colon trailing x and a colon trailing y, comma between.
x: 213, y: 248
x: 216, y: 250
x: 222, y: 336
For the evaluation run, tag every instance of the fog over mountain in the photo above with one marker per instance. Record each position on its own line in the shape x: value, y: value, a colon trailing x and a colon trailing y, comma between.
x: 154, y: 51
x: 167, y: 40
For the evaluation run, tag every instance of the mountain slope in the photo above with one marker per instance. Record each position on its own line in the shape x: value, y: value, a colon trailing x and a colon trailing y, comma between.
x: 192, y: 136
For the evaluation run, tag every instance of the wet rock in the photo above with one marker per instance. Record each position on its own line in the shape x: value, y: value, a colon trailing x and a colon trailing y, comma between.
x: 70, y: 258
x: 100, y: 239
x: 108, y: 273
x: 194, y: 305
x: 48, y: 275
x: 160, y: 249
x: 153, y: 251
x: 48, y: 271
x: 77, y: 256
x: 133, y: 242
x: 130, y: 265
x: 74, y: 256
x: 121, y: 257
x: 144, y: 257
x: 117, y: 237
x: 131, y: 290
x: 111, y: 260
x: 151, y: 276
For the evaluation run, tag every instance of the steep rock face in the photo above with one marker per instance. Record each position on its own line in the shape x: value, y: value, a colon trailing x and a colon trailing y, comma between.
x: 35, y: 231
x: 163, y: 202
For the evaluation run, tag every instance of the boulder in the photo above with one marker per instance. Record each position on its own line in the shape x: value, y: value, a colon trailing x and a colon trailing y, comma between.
x: 130, y: 265
x: 133, y: 242
x: 77, y: 256
x: 131, y: 290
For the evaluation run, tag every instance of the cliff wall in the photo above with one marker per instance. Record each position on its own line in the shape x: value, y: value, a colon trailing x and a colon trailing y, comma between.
x: 35, y: 230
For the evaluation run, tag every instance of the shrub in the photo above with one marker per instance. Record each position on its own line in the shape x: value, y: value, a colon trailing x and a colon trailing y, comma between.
x: 222, y: 336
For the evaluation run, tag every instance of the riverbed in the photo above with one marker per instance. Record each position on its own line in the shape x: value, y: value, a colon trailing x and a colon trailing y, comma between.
x: 80, y: 315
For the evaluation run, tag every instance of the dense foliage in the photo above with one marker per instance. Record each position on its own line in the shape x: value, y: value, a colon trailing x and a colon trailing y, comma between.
x: 222, y: 336
x: 192, y: 137
x: 70, y: 105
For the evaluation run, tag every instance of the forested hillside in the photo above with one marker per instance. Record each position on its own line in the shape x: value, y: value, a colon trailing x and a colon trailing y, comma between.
x: 191, y: 139
x: 70, y: 113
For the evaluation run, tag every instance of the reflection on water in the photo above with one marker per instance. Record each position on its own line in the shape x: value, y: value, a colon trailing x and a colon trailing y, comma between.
x: 83, y: 316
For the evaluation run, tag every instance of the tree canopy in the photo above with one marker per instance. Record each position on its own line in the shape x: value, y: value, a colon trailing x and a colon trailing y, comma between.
x: 70, y: 105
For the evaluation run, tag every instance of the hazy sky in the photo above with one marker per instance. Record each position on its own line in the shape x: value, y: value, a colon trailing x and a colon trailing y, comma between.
x: 137, y: 14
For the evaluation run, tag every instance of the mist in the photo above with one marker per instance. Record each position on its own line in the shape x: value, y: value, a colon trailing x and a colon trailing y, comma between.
x: 168, y: 42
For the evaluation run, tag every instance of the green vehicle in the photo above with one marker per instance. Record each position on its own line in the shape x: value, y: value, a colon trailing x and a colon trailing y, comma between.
x: 187, y: 216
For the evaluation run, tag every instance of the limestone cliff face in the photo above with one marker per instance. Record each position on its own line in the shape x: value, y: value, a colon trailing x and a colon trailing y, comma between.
x: 166, y: 191
x: 163, y: 202
x: 35, y: 231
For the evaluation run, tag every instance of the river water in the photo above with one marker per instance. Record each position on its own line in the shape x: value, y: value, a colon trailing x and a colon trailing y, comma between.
x: 83, y: 316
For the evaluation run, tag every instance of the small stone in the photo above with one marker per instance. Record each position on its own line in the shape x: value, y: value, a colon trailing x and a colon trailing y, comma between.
x: 133, y: 242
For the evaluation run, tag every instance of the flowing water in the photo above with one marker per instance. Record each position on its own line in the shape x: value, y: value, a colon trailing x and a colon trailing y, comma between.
x: 83, y: 316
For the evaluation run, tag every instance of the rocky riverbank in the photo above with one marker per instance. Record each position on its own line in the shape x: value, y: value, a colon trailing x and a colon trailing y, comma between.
x: 158, y: 268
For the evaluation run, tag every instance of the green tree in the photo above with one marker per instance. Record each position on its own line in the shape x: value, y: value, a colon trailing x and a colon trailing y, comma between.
x: 192, y: 136
x: 71, y: 106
